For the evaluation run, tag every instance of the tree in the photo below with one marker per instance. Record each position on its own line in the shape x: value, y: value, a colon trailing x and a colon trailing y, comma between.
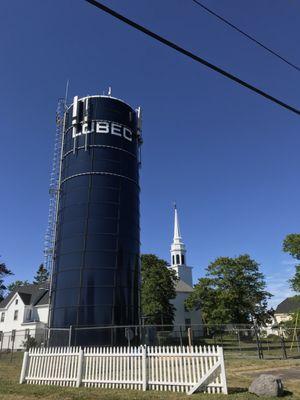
x: 291, y: 245
x: 233, y: 291
x: 158, y: 288
x: 14, y: 285
x: 42, y: 275
x: 4, y: 271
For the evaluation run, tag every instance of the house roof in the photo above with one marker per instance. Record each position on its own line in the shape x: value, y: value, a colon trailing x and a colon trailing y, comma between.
x: 44, y: 300
x: 181, y: 286
x: 289, y: 305
x: 30, y: 294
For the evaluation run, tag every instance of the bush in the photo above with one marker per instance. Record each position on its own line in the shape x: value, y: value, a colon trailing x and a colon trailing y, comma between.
x: 273, y: 338
x: 29, y: 343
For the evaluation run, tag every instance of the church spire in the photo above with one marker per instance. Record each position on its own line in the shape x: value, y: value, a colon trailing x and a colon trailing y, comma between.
x: 177, y: 247
x: 178, y: 259
x: 177, y: 235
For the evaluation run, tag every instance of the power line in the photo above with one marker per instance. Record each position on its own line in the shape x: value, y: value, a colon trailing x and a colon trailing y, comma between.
x: 191, y: 55
x: 246, y: 35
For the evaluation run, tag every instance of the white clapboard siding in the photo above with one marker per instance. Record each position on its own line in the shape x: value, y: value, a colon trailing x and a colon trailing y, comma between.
x: 170, y: 368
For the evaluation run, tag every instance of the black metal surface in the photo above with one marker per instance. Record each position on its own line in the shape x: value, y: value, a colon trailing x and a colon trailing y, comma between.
x: 96, y: 272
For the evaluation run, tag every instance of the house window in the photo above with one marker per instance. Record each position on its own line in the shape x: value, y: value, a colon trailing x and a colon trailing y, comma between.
x: 1, y: 336
x: 13, y: 335
x: 27, y: 333
x: 2, y: 316
x: 16, y: 315
x: 177, y: 259
x: 29, y: 315
x: 16, y: 302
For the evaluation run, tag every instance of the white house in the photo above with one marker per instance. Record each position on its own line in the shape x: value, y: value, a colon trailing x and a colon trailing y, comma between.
x: 286, y: 308
x: 283, y: 313
x: 23, y: 313
x: 184, y: 286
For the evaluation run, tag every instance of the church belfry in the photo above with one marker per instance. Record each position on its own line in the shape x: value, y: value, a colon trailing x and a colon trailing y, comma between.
x: 178, y: 254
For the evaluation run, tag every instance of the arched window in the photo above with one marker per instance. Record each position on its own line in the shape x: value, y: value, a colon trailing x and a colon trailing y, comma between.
x: 173, y: 260
x: 182, y: 259
x: 177, y: 259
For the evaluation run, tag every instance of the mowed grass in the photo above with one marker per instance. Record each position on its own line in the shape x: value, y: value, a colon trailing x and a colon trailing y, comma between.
x: 239, y: 375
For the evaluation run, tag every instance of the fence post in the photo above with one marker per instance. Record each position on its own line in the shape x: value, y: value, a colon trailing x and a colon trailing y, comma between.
x: 24, y: 367
x: 144, y: 367
x: 223, y: 373
x: 282, y: 342
x: 13, y: 338
x: 80, y: 368
x: 1, y: 341
x: 258, y: 343
x: 70, y: 335
x: 190, y: 340
x: 180, y: 335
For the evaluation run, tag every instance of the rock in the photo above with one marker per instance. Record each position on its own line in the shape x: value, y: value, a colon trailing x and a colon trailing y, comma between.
x: 267, y: 385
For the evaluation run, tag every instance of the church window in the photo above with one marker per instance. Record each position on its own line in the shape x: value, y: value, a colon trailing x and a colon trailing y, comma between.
x: 173, y: 260
x: 177, y: 259
x: 182, y: 259
x: 2, y: 316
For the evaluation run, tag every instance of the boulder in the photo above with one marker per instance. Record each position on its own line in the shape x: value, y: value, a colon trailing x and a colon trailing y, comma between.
x: 267, y: 385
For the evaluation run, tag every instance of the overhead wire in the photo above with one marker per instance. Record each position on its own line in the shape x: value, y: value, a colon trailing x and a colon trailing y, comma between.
x: 192, y: 55
x: 250, y: 37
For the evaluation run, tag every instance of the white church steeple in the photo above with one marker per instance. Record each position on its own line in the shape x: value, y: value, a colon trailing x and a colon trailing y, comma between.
x: 178, y: 254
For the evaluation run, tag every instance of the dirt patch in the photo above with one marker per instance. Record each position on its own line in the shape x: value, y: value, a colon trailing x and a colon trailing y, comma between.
x: 283, y: 373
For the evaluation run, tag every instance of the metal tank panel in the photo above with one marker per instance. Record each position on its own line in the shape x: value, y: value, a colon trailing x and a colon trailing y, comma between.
x: 96, y: 272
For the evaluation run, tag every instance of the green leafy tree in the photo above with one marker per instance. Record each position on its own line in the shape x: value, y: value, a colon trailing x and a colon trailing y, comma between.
x: 14, y: 285
x: 4, y: 271
x: 291, y: 245
x: 42, y: 275
x: 158, y: 288
x: 233, y: 291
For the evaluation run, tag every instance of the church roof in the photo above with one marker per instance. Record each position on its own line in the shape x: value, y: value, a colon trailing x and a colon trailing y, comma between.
x: 181, y: 286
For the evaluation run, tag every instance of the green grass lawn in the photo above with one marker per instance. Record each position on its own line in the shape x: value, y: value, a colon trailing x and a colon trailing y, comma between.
x: 238, y: 373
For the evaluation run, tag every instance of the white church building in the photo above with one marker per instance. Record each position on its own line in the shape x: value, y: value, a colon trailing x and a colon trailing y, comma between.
x: 184, y: 285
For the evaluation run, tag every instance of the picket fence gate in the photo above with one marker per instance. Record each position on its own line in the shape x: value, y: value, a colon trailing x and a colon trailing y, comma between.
x: 173, y: 368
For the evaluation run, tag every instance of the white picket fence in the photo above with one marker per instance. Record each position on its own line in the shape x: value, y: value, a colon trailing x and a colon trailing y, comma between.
x: 184, y: 369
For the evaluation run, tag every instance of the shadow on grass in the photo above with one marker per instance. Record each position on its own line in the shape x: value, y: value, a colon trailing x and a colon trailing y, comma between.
x: 235, y: 390
x: 287, y: 393
x: 232, y: 390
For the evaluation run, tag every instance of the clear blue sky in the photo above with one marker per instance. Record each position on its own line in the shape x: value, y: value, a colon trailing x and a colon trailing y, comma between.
x: 229, y: 158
